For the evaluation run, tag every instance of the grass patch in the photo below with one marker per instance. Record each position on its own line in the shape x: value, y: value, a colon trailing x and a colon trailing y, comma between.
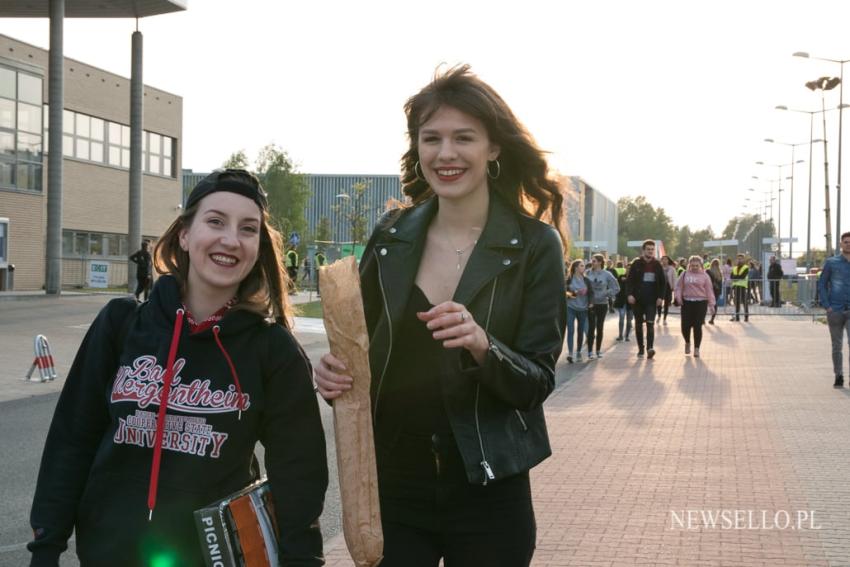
x: 312, y: 309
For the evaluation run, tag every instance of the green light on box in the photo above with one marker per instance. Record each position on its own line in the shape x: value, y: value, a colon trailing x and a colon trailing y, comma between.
x: 163, y: 560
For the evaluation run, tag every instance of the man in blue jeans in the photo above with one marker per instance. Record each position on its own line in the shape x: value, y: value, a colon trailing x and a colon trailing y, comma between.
x: 834, y: 294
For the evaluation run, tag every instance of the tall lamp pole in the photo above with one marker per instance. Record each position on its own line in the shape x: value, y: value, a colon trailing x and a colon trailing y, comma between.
x: 841, y: 63
x: 812, y: 141
x: 824, y: 84
x: 793, y: 161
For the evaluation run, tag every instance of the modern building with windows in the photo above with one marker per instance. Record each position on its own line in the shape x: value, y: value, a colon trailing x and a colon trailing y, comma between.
x: 96, y: 161
x: 591, y: 216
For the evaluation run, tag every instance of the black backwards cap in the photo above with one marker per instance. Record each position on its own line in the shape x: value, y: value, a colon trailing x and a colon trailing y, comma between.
x: 236, y: 181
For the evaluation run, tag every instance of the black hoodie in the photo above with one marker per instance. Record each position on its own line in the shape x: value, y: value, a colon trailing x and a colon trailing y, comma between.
x: 96, y: 467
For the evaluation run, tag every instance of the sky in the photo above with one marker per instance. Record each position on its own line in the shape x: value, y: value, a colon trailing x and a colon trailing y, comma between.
x: 670, y: 100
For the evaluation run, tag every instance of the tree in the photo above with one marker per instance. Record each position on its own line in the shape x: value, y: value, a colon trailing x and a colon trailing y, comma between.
x: 288, y: 190
x: 639, y: 220
x: 748, y: 230
x: 237, y: 160
x: 323, y: 231
x: 683, y: 242
x: 358, y: 211
x: 818, y: 257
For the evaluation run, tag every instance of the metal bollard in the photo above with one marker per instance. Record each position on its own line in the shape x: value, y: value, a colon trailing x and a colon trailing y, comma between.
x: 43, y: 360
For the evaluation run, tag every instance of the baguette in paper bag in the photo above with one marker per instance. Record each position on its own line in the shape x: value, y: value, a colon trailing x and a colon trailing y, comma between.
x: 345, y: 323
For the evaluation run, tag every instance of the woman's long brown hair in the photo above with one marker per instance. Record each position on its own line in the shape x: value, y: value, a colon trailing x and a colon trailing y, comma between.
x: 524, y: 180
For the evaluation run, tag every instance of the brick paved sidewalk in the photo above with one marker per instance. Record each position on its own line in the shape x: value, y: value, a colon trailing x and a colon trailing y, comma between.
x: 753, y: 426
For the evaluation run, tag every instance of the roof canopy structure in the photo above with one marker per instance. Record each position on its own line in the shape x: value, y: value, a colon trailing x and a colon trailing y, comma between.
x: 92, y: 8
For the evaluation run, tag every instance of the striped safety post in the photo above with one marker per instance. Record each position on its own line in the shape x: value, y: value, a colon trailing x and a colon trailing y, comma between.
x: 43, y: 360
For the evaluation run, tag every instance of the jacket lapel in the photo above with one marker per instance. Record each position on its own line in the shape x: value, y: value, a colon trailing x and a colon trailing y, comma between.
x: 497, y: 251
x: 398, y: 254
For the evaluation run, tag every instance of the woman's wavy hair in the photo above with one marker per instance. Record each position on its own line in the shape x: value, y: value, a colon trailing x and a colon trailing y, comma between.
x: 263, y: 290
x: 524, y: 179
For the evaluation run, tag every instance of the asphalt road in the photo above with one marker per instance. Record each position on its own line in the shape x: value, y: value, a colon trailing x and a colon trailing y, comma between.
x: 26, y: 409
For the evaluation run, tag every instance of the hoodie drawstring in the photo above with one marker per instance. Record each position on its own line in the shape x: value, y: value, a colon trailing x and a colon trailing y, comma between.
x: 160, y: 418
x: 233, y: 373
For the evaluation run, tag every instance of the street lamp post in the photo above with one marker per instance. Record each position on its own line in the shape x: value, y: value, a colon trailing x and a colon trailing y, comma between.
x: 779, y: 166
x: 812, y: 140
x: 841, y: 63
x: 824, y: 84
x: 791, y: 223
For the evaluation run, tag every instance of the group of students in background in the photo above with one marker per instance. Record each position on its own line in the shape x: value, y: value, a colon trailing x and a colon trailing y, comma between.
x: 642, y: 290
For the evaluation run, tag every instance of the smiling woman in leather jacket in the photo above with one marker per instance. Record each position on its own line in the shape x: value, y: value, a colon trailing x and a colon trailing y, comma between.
x: 465, y: 306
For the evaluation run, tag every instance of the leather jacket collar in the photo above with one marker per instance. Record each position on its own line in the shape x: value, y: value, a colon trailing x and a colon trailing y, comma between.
x: 399, y: 251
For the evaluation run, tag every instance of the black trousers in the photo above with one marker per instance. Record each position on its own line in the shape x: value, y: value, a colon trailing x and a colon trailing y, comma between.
x: 595, y: 324
x: 142, y: 286
x: 645, y: 312
x: 408, y: 546
x: 693, y: 317
x: 741, y: 299
x: 775, y: 299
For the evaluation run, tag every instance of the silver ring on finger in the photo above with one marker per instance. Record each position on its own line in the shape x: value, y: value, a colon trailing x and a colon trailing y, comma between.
x: 462, y: 316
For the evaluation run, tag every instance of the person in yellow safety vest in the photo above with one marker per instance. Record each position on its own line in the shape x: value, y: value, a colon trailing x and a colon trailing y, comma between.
x: 741, y: 285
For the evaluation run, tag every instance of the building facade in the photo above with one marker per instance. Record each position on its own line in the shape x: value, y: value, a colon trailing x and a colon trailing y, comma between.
x: 96, y: 150
x: 590, y: 215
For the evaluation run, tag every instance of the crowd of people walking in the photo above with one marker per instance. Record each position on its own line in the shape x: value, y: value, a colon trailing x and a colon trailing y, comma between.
x: 643, y: 290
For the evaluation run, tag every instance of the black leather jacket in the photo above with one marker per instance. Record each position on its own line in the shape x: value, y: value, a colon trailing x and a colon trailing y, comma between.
x: 513, y: 286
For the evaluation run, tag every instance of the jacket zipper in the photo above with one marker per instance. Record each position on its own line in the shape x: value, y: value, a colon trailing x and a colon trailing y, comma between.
x: 502, y: 358
x: 488, y: 472
x: 390, y: 350
x: 521, y: 420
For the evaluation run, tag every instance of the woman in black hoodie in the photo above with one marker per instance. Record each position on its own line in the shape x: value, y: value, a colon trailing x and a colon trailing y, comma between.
x: 126, y: 472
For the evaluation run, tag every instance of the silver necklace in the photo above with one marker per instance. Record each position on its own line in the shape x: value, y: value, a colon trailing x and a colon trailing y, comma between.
x: 460, y: 251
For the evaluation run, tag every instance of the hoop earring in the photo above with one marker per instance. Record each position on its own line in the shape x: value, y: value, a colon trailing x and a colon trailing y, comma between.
x: 417, y: 171
x: 498, y: 170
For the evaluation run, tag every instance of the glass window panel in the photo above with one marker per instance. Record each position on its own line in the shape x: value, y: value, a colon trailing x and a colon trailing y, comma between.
x: 125, y: 136
x: 166, y: 146
x: 96, y: 152
x: 114, y: 155
x: 114, y: 133
x: 7, y: 144
x: 96, y: 244
x: 4, y: 227
x: 28, y: 176
x: 29, y: 88
x: 29, y: 146
x: 166, y: 167
x: 122, y: 245
x: 154, y: 166
x: 155, y: 144
x: 97, y: 129
x: 112, y: 246
x: 81, y: 243
x: 36, y: 177
x: 67, y: 242
x: 22, y: 177
x: 29, y: 118
x: 6, y: 173
x: 83, y: 123
x: 68, y: 121
x: 7, y: 82
x: 68, y: 145
x: 125, y: 158
x: 82, y: 149
x: 7, y: 113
